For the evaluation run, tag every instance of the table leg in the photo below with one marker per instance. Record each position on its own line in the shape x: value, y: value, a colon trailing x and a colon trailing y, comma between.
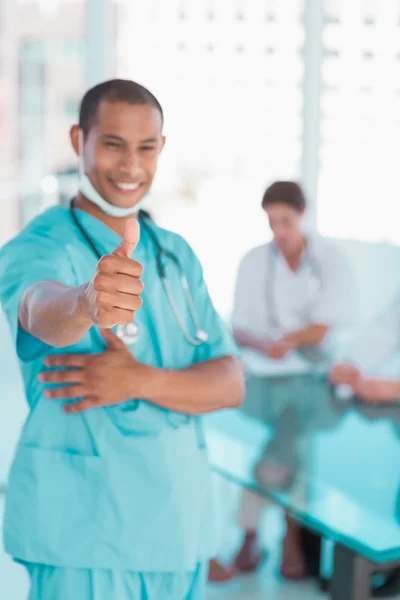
x: 351, y: 576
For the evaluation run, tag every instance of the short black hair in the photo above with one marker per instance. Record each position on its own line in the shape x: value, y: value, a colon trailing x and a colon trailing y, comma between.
x: 285, y: 192
x: 114, y: 90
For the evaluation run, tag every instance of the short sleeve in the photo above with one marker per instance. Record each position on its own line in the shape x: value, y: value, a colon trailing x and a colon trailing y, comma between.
x: 25, y: 260
x: 336, y: 304
x: 220, y: 340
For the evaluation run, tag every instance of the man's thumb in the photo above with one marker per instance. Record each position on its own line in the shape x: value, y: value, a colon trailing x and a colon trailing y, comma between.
x: 130, y: 239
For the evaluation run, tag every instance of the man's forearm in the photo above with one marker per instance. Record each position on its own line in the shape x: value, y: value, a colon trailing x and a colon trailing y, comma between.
x: 313, y: 335
x: 54, y: 313
x: 199, y: 389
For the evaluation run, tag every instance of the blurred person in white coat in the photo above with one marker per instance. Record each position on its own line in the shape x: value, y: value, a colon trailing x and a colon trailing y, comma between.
x: 292, y: 295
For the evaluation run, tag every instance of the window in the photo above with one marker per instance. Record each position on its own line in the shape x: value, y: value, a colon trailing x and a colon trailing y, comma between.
x: 71, y: 108
x: 228, y: 65
x: 31, y: 119
x: 72, y: 50
x: 229, y: 76
x: 359, y: 185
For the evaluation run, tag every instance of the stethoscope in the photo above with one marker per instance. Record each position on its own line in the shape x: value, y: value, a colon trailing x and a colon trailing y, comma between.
x: 315, y: 271
x: 130, y: 333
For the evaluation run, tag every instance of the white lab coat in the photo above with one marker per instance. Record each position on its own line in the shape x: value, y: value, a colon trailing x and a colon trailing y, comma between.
x: 272, y: 300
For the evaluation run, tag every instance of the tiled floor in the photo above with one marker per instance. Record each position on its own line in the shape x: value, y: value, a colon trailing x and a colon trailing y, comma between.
x: 266, y: 584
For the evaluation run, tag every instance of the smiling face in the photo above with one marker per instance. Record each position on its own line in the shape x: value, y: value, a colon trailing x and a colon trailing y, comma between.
x: 121, y: 150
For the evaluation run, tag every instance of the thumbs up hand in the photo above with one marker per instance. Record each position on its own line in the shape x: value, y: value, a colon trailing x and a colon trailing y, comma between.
x: 130, y: 239
x: 113, y: 294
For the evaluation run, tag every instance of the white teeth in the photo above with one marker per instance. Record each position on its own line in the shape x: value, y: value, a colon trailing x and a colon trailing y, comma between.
x: 128, y: 187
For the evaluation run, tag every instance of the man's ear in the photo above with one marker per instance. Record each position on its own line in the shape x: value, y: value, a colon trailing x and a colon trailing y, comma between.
x: 74, y: 135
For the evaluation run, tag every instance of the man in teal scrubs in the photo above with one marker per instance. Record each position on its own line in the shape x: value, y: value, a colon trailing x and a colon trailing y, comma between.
x: 109, y: 491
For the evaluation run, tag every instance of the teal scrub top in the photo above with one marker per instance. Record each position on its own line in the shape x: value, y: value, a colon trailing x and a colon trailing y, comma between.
x: 118, y: 487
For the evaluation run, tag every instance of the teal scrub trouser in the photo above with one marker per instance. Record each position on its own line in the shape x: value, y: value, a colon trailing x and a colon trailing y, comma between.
x: 54, y: 583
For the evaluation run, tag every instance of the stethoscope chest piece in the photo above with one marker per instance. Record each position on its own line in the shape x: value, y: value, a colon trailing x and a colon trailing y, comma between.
x: 201, y: 335
x: 129, y: 334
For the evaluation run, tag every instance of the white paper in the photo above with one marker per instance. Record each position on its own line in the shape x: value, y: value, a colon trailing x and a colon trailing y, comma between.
x: 260, y: 365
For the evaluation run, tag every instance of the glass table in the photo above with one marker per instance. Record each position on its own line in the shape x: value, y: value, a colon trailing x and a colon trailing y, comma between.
x: 334, y: 464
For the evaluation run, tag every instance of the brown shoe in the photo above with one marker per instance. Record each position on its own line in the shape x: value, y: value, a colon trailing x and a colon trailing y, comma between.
x: 218, y: 573
x: 250, y: 555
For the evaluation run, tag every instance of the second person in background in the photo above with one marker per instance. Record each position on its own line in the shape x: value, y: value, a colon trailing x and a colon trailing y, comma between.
x: 292, y: 294
x: 295, y: 292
